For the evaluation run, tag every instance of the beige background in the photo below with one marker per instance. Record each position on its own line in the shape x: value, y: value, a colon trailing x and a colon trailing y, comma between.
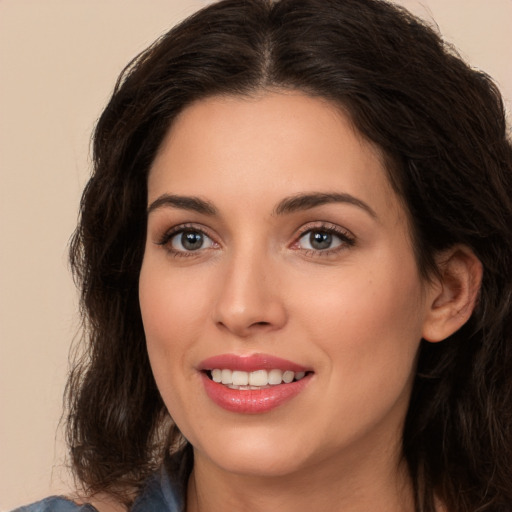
x: 58, y: 62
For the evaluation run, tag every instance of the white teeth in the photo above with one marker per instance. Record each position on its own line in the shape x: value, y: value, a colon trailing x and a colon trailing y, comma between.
x: 245, y: 388
x: 288, y: 376
x: 226, y: 377
x: 240, y: 378
x: 237, y: 379
x: 275, y: 377
x: 258, y: 378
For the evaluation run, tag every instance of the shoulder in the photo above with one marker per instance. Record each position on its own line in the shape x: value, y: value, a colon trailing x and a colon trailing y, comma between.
x: 163, y: 492
x: 55, y: 504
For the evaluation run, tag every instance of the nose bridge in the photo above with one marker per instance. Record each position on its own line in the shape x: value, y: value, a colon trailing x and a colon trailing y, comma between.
x: 249, y: 299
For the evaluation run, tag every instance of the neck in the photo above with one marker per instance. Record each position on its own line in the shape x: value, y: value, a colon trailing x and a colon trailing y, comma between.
x: 354, y: 485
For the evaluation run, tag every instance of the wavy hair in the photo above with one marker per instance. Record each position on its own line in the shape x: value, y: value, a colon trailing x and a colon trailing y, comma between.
x: 442, y: 128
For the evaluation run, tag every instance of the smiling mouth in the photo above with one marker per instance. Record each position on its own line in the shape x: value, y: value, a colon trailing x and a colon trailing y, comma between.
x: 259, y: 379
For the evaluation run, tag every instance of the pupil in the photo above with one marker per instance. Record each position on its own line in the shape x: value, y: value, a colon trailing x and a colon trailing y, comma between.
x: 192, y: 240
x: 320, y: 240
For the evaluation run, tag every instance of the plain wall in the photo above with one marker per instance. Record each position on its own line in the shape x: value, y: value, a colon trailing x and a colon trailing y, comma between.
x: 58, y: 63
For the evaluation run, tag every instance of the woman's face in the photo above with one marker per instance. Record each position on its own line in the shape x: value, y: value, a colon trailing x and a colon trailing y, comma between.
x: 277, y: 250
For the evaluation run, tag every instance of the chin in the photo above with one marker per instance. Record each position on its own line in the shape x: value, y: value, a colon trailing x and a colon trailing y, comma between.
x: 254, y: 454
x: 258, y: 464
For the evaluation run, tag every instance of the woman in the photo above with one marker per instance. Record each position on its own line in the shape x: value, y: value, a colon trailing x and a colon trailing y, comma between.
x: 296, y: 244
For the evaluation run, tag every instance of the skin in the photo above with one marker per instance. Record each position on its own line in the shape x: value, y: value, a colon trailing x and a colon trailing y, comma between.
x: 353, y: 313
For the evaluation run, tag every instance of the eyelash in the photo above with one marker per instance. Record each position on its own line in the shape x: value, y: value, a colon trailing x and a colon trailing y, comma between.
x: 345, y: 237
x: 177, y: 230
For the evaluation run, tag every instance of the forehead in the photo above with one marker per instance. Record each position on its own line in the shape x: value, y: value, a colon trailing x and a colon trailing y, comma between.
x: 263, y: 146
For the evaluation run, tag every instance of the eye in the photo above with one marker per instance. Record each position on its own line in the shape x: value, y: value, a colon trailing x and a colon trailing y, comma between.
x: 319, y: 240
x: 190, y: 241
x: 186, y: 240
x: 323, y: 239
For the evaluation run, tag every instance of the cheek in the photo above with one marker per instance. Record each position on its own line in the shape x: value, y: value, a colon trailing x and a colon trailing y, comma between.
x: 173, y: 313
x: 368, y: 330
x: 369, y: 319
x: 171, y: 302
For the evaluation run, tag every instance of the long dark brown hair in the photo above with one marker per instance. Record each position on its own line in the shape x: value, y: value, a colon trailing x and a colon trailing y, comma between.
x: 442, y: 128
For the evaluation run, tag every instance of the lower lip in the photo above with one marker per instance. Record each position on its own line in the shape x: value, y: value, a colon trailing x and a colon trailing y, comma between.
x: 252, y: 401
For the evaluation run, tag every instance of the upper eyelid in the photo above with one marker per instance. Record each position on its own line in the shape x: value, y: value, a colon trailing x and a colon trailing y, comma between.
x: 324, y: 226
x: 192, y: 226
x: 299, y: 233
x: 345, y: 235
x: 167, y: 234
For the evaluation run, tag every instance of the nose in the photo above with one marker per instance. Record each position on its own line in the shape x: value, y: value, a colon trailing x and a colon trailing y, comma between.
x: 249, y: 299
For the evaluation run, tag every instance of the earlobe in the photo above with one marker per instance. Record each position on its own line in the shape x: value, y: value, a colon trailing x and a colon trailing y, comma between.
x: 453, y: 293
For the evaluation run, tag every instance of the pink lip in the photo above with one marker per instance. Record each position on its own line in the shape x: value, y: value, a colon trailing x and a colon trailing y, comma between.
x: 251, y: 401
x: 249, y: 363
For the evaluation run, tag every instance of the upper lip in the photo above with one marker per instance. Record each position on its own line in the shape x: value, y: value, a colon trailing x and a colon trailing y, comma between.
x: 250, y: 363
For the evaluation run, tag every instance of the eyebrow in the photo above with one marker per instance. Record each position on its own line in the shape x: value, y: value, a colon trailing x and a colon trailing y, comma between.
x: 291, y: 204
x: 301, y: 202
x: 190, y: 203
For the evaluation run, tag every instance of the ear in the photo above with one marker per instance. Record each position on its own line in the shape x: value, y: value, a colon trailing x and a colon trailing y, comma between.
x: 452, y: 295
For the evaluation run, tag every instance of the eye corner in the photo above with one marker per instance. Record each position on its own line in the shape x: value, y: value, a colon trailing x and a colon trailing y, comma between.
x: 323, y: 239
x: 186, y: 240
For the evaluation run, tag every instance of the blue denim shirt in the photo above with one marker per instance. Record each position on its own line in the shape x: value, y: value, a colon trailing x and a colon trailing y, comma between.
x: 160, y: 494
